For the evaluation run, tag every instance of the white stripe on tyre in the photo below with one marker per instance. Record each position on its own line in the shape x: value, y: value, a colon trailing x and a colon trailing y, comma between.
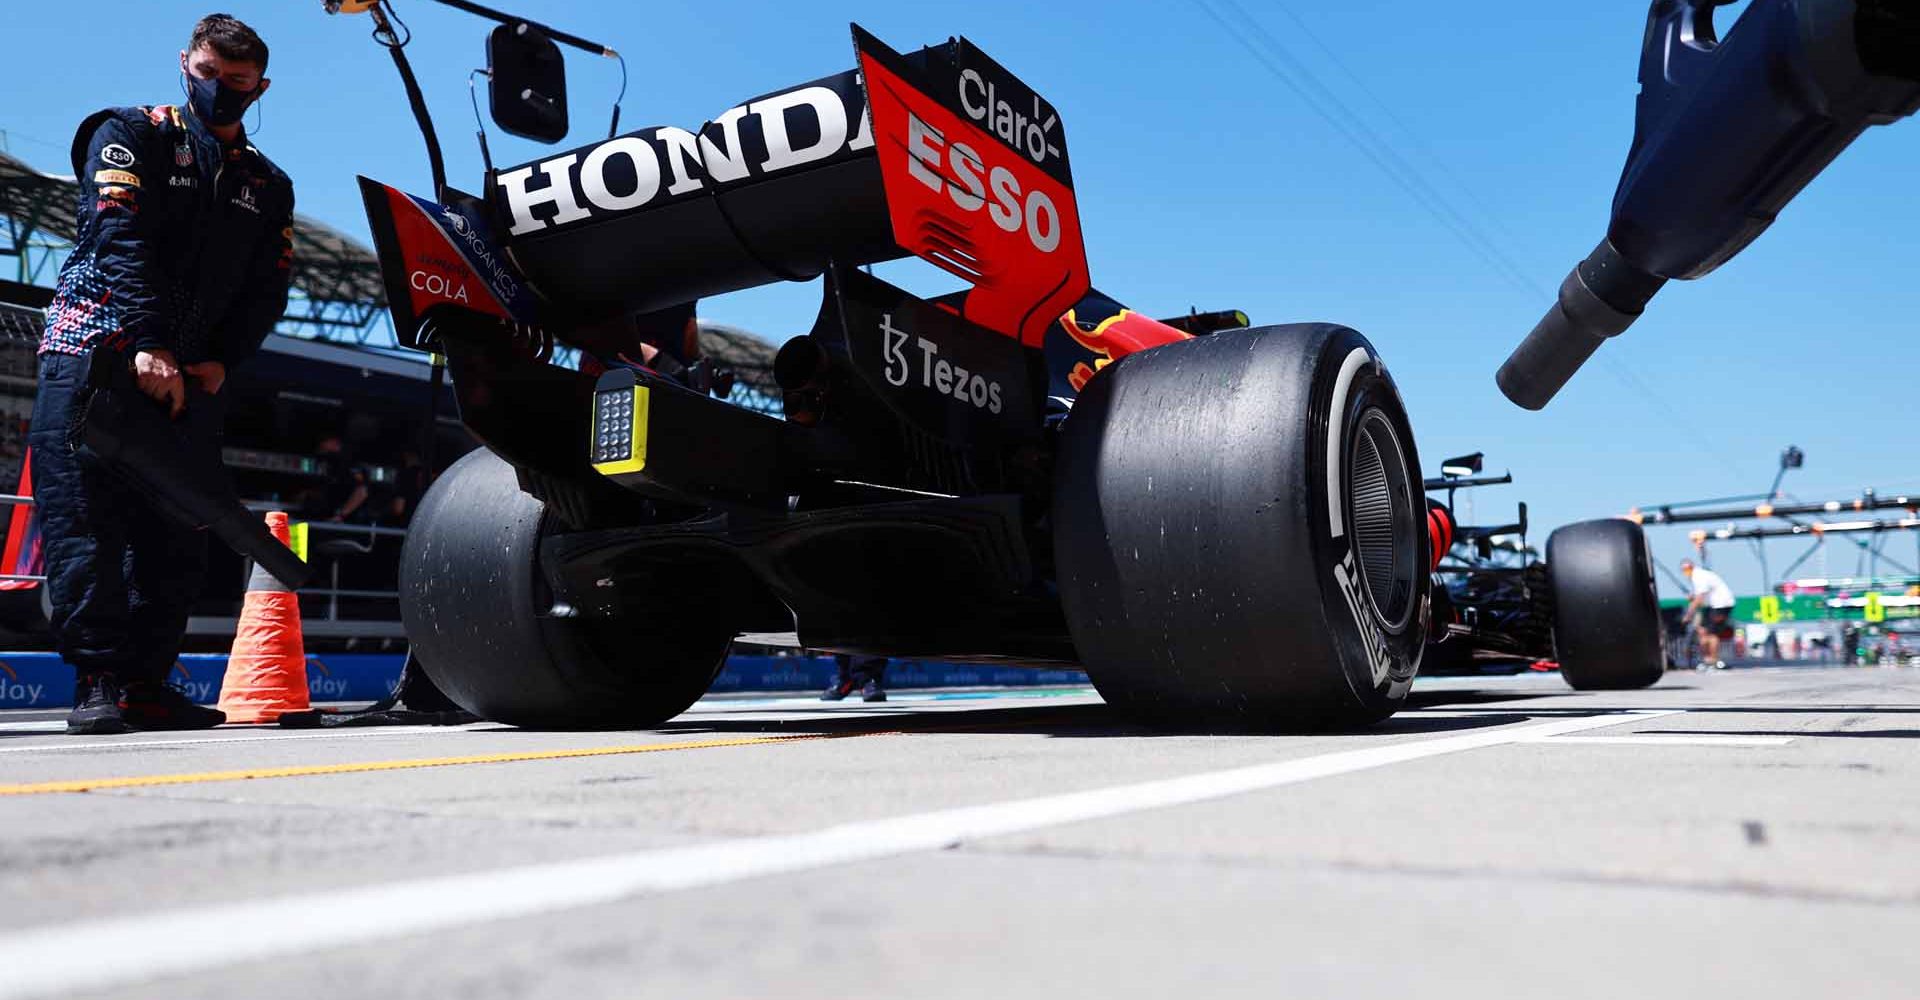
x: 1341, y: 387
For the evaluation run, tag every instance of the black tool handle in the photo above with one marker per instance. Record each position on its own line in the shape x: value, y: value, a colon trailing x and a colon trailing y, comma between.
x: 179, y: 472
x: 1600, y: 298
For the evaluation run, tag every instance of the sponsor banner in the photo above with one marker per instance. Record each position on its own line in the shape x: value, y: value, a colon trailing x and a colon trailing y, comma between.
x: 1813, y: 606
x: 44, y: 680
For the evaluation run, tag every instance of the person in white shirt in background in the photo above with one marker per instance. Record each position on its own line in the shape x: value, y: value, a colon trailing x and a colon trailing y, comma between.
x: 1711, y: 607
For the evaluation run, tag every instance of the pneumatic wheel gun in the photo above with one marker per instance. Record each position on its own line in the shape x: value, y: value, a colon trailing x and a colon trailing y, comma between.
x: 1727, y: 131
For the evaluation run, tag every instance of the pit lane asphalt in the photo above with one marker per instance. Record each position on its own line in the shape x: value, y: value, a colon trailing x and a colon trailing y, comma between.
x: 1507, y: 837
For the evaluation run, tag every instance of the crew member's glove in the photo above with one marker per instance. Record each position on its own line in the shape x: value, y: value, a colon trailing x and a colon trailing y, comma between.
x: 159, y: 377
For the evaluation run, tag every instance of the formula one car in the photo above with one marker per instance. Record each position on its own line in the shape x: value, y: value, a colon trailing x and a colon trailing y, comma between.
x: 1223, y: 525
x: 1591, y: 604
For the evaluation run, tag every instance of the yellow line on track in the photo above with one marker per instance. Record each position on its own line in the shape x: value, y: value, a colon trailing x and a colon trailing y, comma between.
x: 311, y: 770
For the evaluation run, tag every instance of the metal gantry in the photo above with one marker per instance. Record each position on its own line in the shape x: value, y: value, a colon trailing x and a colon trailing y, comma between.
x: 1792, y: 512
x: 1868, y: 500
x: 1871, y: 551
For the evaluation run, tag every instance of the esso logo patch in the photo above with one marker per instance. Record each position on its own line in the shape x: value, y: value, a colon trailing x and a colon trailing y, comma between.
x: 115, y: 155
x: 979, y: 186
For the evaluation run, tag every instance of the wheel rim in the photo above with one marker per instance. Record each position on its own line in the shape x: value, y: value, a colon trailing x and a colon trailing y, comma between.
x: 1385, y: 537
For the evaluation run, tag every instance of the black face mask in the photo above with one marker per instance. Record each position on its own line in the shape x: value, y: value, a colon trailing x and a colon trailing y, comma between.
x: 215, y: 103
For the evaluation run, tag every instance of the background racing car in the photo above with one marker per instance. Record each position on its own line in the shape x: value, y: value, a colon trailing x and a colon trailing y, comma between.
x: 1590, y: 607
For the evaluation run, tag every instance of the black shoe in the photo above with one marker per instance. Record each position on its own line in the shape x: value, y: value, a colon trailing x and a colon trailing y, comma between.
x: 152, y: 705
x: 96, y: 707
x: 839, y: 690
x: 873, y: 692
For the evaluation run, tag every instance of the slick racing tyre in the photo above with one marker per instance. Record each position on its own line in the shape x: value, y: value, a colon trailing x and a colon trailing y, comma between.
x: 1606, y: 617
x: 1241, y: 533
x: 475, y: 606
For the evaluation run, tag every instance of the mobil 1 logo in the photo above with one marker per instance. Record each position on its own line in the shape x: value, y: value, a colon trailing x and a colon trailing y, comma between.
x: 948, y: 376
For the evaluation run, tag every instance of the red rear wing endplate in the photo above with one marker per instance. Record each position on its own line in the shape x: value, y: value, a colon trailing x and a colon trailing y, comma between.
x: 977, y: 181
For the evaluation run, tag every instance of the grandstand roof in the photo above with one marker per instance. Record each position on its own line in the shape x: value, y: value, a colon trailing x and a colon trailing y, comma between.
x: 735, y: 346
x: 328, y: 265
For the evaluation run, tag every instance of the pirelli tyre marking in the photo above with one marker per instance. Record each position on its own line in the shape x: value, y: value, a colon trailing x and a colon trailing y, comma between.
x: 1346, y: 571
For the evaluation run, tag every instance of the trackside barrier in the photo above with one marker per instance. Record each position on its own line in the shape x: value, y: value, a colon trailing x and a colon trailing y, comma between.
x: 44, y: 680
x: 360, y: 539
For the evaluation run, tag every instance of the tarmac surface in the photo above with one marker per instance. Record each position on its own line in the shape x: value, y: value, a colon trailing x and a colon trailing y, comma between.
x: 1749, y: 831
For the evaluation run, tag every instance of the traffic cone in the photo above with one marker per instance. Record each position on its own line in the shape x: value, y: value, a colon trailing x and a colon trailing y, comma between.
x: 267, y: 670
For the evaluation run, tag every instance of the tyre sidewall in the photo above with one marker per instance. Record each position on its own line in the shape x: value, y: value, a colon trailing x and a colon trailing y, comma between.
x: 1380, y: 658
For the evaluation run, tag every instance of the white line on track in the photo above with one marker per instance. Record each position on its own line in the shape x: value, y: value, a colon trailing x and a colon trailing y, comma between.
x: 97, y: 954
x: 36, y: 726
x: 1664, y: 740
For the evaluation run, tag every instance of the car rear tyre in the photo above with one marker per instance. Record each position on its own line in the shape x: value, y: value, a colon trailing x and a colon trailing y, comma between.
x: 1606, y: 627
x: 476, y: 604
x: 1241, y: 535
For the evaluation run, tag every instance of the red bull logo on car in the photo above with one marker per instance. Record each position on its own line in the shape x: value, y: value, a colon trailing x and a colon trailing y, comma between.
x: 1113, y: 338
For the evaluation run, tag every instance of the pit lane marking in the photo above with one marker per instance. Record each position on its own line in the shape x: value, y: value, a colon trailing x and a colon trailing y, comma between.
x: 728, y: 703
x: 304, y: 771
x: 1663, y: 740
x: 274, y: 736
x: 97, y: 954
x: 35, y: 726
x: 312, y: 770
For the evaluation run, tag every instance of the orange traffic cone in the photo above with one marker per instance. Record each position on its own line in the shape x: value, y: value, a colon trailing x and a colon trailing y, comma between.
x: 267, y: 670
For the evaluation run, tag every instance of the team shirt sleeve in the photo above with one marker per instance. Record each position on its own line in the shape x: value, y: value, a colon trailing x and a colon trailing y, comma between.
x: 264, y: 299
x: 114, y: 181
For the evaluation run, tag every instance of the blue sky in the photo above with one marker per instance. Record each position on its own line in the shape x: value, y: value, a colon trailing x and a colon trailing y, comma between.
x: 1206, y: 180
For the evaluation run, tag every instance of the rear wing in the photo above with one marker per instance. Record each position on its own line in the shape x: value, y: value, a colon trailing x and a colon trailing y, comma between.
x: 940, y: 153
x: 978, y: 181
